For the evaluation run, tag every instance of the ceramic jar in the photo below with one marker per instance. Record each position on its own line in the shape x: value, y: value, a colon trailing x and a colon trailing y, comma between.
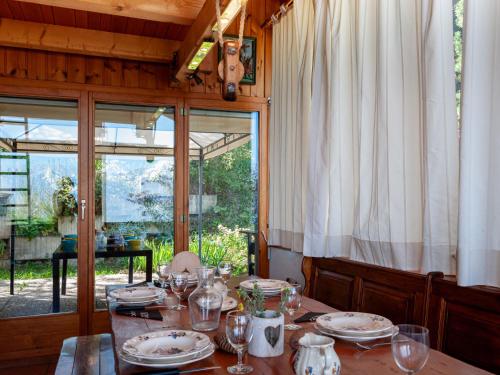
x: 268, y: 334
x: 205, y: 302
x: 316, y: 356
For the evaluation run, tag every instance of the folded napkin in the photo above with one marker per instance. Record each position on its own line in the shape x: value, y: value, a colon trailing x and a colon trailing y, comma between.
x: 139, y: 312
x: 308, y: 317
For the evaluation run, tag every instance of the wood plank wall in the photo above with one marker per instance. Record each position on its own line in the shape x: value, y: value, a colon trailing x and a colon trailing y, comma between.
x: 76, y: 69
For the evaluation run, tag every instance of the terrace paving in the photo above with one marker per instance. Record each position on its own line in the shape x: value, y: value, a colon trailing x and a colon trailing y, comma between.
x: 34, y: 296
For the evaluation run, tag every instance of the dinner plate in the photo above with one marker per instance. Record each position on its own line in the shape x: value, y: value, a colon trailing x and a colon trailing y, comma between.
x: 207, y: 352
x: 143, y: 293
x: 138, y: 303
x: 267, y: 285
x: 348, y: 323
x: 229, y: 303
x: 166, y: 344
x: 355, y: 338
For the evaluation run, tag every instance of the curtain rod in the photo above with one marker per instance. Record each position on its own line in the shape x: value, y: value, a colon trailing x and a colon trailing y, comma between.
x: 277, y: 15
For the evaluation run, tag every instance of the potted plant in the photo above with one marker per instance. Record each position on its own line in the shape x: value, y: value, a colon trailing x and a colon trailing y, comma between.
x: 268, y: 325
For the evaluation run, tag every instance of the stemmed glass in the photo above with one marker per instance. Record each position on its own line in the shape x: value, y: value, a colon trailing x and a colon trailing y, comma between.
x: 164, y: 274
x: 178, y: 284
x: 225, y: 269
x: 410, y: 347
x: 239, y: 334
x: 291, y: 299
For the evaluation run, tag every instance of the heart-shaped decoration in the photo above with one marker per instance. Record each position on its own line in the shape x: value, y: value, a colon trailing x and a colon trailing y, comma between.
x: 272, y: 334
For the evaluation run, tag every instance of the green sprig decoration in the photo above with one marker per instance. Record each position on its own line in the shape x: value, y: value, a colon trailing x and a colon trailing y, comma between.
x: 254, y: 302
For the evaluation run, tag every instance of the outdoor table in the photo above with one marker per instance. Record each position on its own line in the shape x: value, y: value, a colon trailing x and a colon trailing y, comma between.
x: 59, y: 255
x: 353, y: 360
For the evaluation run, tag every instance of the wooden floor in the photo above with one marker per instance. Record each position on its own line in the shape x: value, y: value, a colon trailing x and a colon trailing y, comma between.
x: 47, y: 367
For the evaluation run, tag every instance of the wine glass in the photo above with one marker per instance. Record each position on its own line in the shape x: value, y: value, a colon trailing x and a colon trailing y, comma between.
x: 225, y: 269
x: 178, y: 284
x: 410, y: 347
x: 239, y: 334
x: 164, y: 274
x: 291, y: 298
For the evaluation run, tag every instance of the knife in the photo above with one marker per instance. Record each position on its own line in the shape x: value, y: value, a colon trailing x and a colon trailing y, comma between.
x: 176, y: 371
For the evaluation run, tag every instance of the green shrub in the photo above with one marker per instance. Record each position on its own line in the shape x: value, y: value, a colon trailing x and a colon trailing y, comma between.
x: 37, y: 227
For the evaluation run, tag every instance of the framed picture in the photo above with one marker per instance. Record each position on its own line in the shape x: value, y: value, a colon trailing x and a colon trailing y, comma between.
x: 248, y: 58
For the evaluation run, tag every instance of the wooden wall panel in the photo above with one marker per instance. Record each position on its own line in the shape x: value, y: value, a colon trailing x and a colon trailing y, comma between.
x: 463, y: 322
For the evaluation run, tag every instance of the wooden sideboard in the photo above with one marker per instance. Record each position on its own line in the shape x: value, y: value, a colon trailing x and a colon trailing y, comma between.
x: 463, y: 322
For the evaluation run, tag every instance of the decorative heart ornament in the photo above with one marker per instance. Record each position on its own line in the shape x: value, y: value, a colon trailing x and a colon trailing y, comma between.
x: 272, y: 334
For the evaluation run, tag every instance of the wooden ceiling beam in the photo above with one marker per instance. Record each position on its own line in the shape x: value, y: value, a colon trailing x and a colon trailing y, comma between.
x: 181, y: 12
x: 32, y: 35
x: 199, y: 30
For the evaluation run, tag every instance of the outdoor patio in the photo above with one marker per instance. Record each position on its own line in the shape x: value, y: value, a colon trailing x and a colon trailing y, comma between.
x: 34, y: 296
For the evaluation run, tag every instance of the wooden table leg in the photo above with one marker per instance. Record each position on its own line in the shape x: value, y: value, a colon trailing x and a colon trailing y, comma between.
x: 149, y: 267
x: 64, y: 273
x: 131, y: 270
x: 55, y: 285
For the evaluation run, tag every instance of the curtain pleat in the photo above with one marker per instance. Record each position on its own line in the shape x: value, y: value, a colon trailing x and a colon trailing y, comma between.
x: 479, y: 236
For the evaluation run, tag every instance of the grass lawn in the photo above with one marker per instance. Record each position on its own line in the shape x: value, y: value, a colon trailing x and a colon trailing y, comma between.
x: 43, y: 270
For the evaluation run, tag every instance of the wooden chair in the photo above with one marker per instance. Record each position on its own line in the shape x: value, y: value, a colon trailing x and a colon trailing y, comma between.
x: 92, y: 355
x: 185, y: 261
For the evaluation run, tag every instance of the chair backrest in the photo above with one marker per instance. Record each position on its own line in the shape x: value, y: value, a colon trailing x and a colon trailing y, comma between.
x: 185, y: 261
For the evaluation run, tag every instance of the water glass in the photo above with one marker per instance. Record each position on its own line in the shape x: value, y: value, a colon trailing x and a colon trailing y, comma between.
x: 291, y: 299
x: 239, y: 334
x: 178, y: 284
x: 225, y: 269
x: 410, y: 347
x: 164, y: 274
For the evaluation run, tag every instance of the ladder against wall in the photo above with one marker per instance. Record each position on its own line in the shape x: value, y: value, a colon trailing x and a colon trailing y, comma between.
x: 13, y: 209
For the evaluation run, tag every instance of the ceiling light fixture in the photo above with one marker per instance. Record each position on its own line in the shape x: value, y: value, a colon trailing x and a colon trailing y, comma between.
x: 227, y: 17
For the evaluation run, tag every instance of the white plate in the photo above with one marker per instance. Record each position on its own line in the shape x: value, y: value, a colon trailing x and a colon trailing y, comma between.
x: 229, y: 303
x: 354, y: 338
x: 139, y: 303
x: 348, y: 323
x: 167, y: 344
x: 207, y: 352
x: 143, y: 293
x: 267, y: 285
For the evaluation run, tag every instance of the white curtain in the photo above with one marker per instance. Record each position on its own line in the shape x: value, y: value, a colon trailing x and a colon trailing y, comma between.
x: 383, y: 176
x: 290, y: 107
x: 479, y: 223
x: 381, y: 150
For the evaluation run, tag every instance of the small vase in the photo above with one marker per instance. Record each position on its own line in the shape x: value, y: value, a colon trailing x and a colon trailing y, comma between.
x: 205, y: 302
x: 268, y: 335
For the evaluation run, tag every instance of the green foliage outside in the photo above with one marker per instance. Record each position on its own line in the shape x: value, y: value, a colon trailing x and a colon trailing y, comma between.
x: 224, y: 245
x: 458, y: 23
x: 37, y: 227
x: 64, y: 200
x: 229, y: 176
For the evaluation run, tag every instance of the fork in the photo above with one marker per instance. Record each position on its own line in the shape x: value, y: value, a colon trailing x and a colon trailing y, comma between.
x: 369, y: 347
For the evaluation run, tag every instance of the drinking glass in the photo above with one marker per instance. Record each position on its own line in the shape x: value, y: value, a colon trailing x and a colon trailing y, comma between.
x: 291, y: 298
x: 164, y: 274
x: 239, y: 334
x: 225, y: 269
x: 178, y: 284
x: 410, y: 347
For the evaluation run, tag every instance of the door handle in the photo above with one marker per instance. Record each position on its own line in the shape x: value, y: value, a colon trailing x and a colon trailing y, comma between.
x: 84, y: 206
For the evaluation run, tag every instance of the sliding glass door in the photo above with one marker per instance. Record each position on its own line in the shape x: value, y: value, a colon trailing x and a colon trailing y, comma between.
x: 223, y: 187
x: 134, y: 193
x: 39, y: 210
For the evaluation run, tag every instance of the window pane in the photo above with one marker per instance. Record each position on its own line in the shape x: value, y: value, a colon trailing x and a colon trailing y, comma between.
x: 134, y: 190
x: 38, y: 206
x: 223, y: 150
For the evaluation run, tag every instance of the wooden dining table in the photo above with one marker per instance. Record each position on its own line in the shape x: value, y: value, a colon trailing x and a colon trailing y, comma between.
x: 354, y: 361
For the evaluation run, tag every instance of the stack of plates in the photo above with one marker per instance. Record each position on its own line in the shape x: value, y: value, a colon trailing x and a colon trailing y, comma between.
x: 137, y: 296
x: 164, y: 349
x: 269, y: 287
x: 355, y: 326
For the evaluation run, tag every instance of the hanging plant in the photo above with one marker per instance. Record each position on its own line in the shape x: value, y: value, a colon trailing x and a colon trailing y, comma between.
x: 64, y: 200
